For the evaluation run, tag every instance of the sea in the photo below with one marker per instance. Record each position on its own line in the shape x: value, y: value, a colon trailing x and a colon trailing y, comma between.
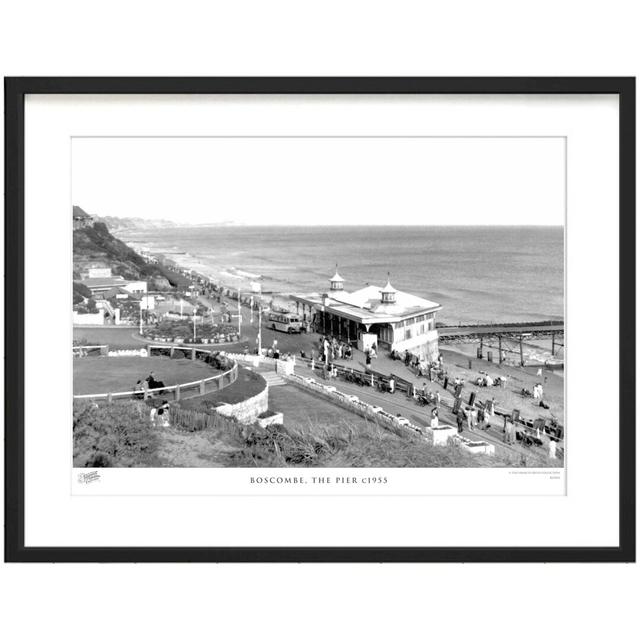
x: 478, y: 274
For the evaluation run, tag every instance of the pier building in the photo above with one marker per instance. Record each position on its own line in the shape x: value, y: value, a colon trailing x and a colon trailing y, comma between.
x: 384, y: 316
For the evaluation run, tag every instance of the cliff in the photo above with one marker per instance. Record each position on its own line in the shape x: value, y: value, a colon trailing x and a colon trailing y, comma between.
x: 94, y: 246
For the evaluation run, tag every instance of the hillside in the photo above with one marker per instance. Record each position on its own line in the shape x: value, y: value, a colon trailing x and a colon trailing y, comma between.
x: 95, y: 246
x: 120, y: 435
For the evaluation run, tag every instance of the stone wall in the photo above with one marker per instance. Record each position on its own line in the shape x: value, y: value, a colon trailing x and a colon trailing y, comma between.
x: 248, y: 410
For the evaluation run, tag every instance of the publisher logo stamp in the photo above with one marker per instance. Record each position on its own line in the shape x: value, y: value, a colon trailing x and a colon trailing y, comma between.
x: 89, y: 477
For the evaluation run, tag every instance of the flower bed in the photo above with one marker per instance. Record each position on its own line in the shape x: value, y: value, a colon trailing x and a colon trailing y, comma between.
x: 181, y: 331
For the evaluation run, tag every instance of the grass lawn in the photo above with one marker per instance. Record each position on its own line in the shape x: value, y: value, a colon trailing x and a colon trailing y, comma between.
x: 300, y: 407
x: 247, y: 385
x: 110, y: 375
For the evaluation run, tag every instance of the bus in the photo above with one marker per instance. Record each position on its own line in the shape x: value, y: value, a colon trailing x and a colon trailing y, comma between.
x: 287, y: 322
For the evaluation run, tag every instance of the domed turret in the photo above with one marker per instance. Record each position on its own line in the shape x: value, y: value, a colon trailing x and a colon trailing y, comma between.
x: 337, y: 282
x: 388, y: 293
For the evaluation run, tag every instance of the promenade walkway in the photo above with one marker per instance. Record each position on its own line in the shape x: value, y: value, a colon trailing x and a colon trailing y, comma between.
x: 456, y: 365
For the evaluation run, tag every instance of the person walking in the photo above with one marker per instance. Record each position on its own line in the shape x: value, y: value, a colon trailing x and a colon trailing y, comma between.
x: 434, y: 418
x: 552, y: 448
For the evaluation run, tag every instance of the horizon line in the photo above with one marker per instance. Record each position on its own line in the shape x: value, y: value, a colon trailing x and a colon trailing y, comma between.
x: 248, y: 224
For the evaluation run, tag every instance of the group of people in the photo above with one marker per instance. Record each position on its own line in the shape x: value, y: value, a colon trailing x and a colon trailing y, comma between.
x: 274, y: 352
x: 537, y: 391
x: 485, y: 380
x: 143, y: 387
x: 474, y: 417
x: 419, y: 364
x: 331, y: 349
x: 159, y: 417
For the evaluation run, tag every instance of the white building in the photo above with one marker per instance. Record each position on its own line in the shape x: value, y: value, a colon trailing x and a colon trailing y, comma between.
x: 104, y: 284
x: 391, y: 319
x: 99, y: 272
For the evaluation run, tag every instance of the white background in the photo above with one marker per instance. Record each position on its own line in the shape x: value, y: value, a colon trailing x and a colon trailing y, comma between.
x: 400, y: 38
x: 208, y: 180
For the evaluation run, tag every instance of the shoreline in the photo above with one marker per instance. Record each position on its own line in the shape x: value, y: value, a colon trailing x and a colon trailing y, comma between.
x: 234, y: 278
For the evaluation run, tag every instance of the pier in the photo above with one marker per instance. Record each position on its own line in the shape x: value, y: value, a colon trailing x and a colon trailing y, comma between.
x: 512, y: 331
x: 505, y: 330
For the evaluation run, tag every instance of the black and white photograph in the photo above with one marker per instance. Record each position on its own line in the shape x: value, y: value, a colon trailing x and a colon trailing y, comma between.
x: 319, y: 301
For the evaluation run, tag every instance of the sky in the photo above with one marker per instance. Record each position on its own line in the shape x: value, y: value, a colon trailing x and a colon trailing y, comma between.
x: 327, y: 180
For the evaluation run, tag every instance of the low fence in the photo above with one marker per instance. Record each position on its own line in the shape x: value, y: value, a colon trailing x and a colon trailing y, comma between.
x: 177, y: 391
x: 201, y: 341
x: 82, y: 351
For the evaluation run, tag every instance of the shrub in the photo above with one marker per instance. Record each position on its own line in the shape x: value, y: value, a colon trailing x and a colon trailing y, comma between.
x: 347, y: 445
x: 113, y: 435
x: 218, y: 361
x: 81, y: 289
x: 178, y: 354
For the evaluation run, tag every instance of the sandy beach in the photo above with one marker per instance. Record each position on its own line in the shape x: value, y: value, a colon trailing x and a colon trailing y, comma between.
x: 536, y: 351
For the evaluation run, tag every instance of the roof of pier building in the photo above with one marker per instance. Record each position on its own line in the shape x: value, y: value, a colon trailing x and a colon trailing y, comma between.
x: 371, y: 304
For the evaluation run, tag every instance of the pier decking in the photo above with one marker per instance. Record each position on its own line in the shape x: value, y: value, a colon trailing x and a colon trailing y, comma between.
x: 506, y: 329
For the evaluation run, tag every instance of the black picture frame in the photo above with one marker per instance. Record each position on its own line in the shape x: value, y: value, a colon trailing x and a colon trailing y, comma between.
x: 15, y: 91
